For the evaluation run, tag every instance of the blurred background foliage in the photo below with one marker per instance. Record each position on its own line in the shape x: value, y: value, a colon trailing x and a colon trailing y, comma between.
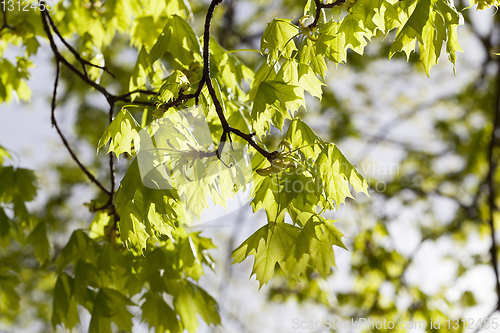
x: 419, y: 247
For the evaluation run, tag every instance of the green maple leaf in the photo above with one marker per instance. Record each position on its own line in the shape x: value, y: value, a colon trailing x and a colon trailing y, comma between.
x: 121, y: 134
x: 309, y: 81
x: 433, y: 35
x: 158, y: 314
x: 110, y: 306
x: 267, y: 196
x: 132, y: 225
x: 269, y: 245
x: 331, y: 43
x: 172, y: 85
x: 452, y: 20
x: 38, y: 238
x: 430, y: 23
x: 64, y: 308
x: 309, y: 54
x: 277, y: 40
x: 315, y: 242
x: 270, y: 102
x: 143, y: 211
x: 300, y: 190
x: 79, y: 247
x: 13, y: 80
x: 337, y: 173
x: 190, y: 300
x: 413, y: 27
x: 303, y: 138
x: 179, y: 41
x: 301, y: 77
x: 372, y: 14
x: 354, y: 33
x: 32, y: 46
x: 18, y: 185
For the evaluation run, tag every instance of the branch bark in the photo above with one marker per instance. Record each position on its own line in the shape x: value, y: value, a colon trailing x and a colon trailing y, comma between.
x: 319, y: 6
x: 77, y: 55
x: 5, y: 25
x: 89, y: 175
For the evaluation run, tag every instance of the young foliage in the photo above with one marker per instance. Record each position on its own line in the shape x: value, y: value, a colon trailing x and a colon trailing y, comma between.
x: 120, y: 134
x: 277, y: 40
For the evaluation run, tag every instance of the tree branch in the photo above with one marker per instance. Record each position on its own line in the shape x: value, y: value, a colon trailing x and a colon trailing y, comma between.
x: 319, y: 6
x: 46, y: 20
x: 111, y: 201
x: 5, y: 25
x: 226, y: 129
x: 77, y: 55
x: 64, y: 61
x: 89, y: 175
x: 122, y: 97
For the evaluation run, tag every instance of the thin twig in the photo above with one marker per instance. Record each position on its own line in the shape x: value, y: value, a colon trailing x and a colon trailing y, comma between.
x: 109, y: 96
x: 226, y: 129
x: 181, y: 98
x: 137, y: 91
x: 77, y: 55
x: 206, y: 65
x: 63, y: 138
x: 64, y: 61
x: 111, y: 200
x: 112, y: 99
x: 5, y: 24
x: 320, y: 6
x: 111, y: 159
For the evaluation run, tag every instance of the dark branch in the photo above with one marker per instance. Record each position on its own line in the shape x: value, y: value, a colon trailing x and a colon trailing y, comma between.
x: 181, y: 98
x: 77, y: 55
x: 63, y: 138
x: 319, y: 6
x: 226, y: 129
x: 59, y: 57
x: 137, y: 91
x: 111, y: 159
x: 5, y: 25
x: 111, y: 200
x: 206, y: 65
x: 206, y: 79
